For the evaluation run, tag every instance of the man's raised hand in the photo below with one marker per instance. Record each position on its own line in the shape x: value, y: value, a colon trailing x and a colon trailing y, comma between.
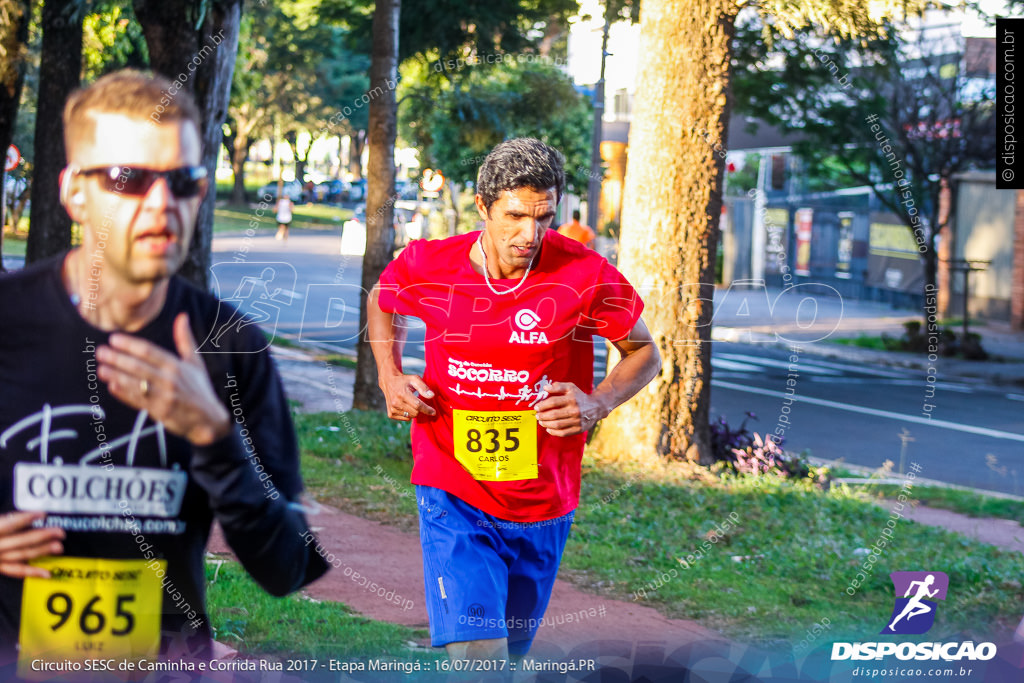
x: 174, y: 389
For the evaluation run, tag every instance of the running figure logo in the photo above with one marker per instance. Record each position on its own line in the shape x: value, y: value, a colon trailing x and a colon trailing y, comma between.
x: 256, y: 299
x: 914, y: 612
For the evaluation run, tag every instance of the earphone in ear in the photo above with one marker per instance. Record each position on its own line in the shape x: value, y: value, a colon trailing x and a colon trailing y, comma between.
x: 78, y: 198
x: 65, y: 186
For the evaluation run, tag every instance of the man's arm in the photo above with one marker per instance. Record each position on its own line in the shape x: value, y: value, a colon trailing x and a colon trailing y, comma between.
x: 569, y: 410
x: 402, y: 392
x: 265, y: 530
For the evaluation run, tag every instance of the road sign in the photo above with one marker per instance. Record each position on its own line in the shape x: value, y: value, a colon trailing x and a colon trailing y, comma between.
x: 13, y: 158
x: 432, y: 180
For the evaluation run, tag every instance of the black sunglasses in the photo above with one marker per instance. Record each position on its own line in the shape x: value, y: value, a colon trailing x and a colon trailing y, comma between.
x: 184, y: 182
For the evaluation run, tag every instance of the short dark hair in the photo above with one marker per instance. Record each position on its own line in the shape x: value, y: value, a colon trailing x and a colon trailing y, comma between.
x: 575, y: 214
x: 520, y: 162
x: 135, y: 94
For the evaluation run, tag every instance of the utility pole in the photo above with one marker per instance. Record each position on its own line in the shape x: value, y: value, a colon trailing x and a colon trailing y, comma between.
x: 594, y: 180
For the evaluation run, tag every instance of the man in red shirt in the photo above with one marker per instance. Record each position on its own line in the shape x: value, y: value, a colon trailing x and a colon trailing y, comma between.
x: 501, y: 412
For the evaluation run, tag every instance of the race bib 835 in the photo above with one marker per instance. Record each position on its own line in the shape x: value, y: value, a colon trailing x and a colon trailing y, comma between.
x: 496, y: 445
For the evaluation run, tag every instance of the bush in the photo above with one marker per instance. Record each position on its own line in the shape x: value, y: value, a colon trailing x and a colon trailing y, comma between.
x: 745, y: 452
x: 949, y: 343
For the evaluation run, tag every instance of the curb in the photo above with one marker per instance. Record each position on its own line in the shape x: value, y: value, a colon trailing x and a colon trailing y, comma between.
x: 1009, y: 373
x: 918, y: 481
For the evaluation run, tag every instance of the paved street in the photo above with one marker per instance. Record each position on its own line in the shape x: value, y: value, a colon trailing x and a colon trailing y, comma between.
x: 836, y: 410
x: 975, y: 436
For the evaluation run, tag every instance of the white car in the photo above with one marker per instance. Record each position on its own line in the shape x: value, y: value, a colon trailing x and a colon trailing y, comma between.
x: 292, y: 190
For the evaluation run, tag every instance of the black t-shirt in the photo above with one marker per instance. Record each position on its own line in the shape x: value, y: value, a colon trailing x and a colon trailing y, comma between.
x: 120, y: 485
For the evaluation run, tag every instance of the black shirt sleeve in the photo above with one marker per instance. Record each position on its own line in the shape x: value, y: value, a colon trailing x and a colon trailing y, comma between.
x: 266, y: 532
x: 252, y: 476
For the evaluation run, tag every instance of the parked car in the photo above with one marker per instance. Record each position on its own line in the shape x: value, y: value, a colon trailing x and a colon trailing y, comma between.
x: 332, y: 191
x: 407, y: 191
x: 291, y: 188
x: 357, y: 191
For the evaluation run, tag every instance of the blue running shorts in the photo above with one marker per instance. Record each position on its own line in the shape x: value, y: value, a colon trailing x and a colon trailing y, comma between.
x: 486, y: 577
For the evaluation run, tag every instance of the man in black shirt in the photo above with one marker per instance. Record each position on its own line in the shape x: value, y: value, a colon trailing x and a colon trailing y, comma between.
x: 120, y: 439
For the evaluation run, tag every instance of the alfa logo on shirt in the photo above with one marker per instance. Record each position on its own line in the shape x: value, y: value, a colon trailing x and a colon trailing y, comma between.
x: 525, y: 319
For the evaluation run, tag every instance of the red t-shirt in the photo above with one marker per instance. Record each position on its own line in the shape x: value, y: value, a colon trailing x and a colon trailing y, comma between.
x: 488, y: 357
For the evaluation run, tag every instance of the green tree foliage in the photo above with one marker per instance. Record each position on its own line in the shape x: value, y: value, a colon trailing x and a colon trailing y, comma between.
x: 931, y: 119
x: 452, y: 29
x: 295, y: 71
x: 112, y: 39
x: 455, y: 124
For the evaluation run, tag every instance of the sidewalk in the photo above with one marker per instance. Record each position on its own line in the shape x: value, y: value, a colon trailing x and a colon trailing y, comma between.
x: 393, y: 559
x: 812, y: 316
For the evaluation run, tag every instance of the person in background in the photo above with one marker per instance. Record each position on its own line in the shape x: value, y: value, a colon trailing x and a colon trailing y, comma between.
x: 577, y: 231
x: 284, y: 217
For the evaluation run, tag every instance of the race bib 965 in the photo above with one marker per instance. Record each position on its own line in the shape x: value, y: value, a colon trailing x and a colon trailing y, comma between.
x: 90, y: 609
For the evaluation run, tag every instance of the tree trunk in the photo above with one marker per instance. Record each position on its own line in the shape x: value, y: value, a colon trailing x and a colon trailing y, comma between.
x: 301, y: 159
x: 239, y: 151
x: 670, y: 223
x: 14, y: 20
x: 930, y: 261
x: 18, y: 205
x: 357, y: 141
x: 291, y: 137
x: 60, y: 66
x: 238, y: 195
x: 175, y: 45
x: 454, y: 191
x: 931, y: 282
x: 380, y: 231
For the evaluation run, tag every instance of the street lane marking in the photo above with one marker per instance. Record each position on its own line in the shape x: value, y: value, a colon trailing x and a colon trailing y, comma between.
x: 859, y: 369
x: 723, y: 364
x: 983, y: 431
x: 772, y: 363
x: 958, y: 388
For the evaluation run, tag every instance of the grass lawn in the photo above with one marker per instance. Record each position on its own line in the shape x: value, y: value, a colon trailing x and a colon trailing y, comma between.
x: 962, y: 501
x: 339, y: 360
x: 965, y: 502
x: 250, y: 620
x: 15, y: 246
x: 801, y: 547
x: 787, y: 564
x: 336, y: 359
x: 306, y: 216
x: 882, y: 343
